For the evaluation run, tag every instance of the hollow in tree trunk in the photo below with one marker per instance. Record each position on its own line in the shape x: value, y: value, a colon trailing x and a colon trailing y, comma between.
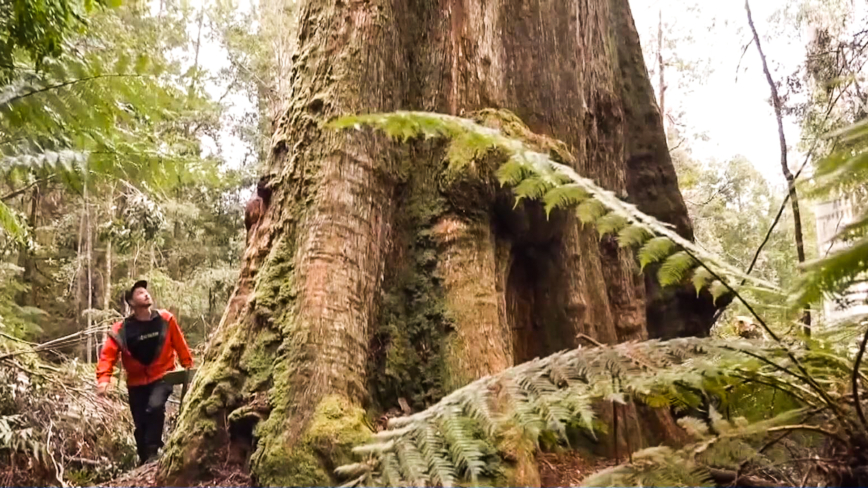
x: 376, y: 275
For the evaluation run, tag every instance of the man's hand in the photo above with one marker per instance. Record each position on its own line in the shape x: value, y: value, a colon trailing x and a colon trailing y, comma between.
x: 101, y: 389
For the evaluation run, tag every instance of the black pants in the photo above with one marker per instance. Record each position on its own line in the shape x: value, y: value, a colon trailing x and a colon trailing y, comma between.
x: 148, y: 406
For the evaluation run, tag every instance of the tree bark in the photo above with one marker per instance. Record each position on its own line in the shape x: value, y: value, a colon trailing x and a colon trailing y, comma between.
x: 378, y: 273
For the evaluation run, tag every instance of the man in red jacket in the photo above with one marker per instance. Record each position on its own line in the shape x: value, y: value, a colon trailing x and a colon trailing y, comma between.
x: 147, y: 342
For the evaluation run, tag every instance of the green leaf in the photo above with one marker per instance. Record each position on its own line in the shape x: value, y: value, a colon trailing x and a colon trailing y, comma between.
x: 675, y: 268
x: 590, y: 210
x: 532, y: 188
x: 564, y: 196
x: 655, y: 250
x: 633, y: 235
x: 10, y: 224
x: 717, y: 290
x: 610, y: 223
x: 701, y: 277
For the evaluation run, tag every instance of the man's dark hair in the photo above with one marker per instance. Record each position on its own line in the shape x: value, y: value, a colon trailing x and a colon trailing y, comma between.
x: 136, y: 285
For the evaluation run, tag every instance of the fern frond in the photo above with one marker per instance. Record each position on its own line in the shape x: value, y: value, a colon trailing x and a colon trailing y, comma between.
x: 589, y: 211
x: 465, y: 451
x: 633, y: 236
x: 675, y: 268
x: 655, y: 250
x: 541, y: 174
x: 544, y: 396
x: 717, y: 290
x: 701, y: 278
x: 841, y: 174
x: 610, y: 223
x: 564, y: 196
x: 533, y: 188
x: 435, y: 455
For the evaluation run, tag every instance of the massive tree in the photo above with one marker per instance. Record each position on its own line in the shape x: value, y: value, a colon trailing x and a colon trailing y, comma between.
x: 376, y: 275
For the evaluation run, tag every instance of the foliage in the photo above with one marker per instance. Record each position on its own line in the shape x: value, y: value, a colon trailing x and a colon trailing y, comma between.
x: 732, y: 206
x: 36, y: 30
x: 104, y: 143
x: 101, y: 113
x: 15, y: 320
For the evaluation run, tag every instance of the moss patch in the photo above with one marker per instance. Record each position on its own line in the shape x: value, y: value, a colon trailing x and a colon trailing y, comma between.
x: 405, y: 359
x: 336, y: 427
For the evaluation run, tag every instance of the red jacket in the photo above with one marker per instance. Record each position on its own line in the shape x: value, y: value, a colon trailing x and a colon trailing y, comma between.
x: 137, y: 373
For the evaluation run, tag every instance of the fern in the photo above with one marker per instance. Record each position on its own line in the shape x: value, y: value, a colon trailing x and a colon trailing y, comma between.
x: 674, y: 268
x: 546, y: 395
x: 102, y: 114
x: 535, y: 175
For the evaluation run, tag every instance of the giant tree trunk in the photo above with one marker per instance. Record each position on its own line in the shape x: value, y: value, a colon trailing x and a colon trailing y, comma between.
x: 377, y: 275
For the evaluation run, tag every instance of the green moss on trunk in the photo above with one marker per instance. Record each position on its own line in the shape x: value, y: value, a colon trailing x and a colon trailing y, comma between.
x: 335, y: 428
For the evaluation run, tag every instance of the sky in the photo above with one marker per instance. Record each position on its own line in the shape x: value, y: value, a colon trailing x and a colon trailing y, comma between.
x: 730, y: 107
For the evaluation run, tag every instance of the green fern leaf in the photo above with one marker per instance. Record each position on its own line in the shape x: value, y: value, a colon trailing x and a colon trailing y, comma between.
x: 532, y: 188
x: 655, y: 250
x: 701, y: 278
x: 590, y: 210
x: 610, y: 223
x: 511, y: 172
x: 633, y: 235
x: 717, y: 290
x: 675, y: 268
x: 564, y: 196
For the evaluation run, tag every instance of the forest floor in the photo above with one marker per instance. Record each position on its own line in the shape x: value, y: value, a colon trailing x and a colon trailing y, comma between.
x: 555, y: 470
x: 563, y: 469
x: 145, y: 476
x: 568, y: 468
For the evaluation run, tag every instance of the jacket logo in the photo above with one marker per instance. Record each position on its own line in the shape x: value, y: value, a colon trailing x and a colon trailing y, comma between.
x: 148, y: 336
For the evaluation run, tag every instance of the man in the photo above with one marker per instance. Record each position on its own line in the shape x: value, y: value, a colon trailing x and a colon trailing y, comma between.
x: 148, y: 342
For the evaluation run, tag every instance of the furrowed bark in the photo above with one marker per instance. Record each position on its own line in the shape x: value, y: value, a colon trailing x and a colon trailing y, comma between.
x: 379, y: 273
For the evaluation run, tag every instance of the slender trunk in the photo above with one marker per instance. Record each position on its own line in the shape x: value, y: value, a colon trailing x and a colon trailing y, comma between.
x: 107, y: 297
x: 377, y: 274
x: 89, y: 251
x: 198, y: 44
x: 77, y: 277
x: 25, y: 259
x: 107, y: 285
x: 791, y: 181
